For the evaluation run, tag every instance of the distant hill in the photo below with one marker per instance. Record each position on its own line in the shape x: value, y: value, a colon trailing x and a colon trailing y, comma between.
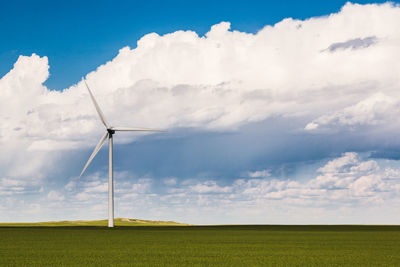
x: 117, y: 222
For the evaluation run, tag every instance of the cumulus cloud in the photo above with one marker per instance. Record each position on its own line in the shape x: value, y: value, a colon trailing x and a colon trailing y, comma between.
x: 378, y: 109
x: 263, y: 174
x: 347, y: 184
x: 347, y: 180
x: 12, y: 186
x: 343, y: 185
x: 55, y: 196
x: 170, y: 181
x: 209, y: 187
x: 221, y: 80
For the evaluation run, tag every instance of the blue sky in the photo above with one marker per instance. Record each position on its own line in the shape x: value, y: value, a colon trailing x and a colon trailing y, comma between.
x: 270, y: 119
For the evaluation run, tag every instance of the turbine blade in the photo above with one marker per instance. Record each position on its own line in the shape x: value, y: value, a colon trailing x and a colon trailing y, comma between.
x: 96, y: 149
x: 101, y: 115
x: 134, y: 129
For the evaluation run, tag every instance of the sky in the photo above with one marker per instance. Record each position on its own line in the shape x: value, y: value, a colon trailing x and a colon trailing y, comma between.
x: 277, y: 112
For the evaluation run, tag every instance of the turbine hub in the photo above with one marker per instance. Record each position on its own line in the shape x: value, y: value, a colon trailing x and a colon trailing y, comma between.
x: 111, y: 132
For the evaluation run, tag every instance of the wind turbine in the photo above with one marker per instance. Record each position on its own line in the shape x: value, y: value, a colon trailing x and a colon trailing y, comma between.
x: 110, y: 131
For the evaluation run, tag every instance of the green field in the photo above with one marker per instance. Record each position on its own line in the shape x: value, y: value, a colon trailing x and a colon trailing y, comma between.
x: 201, y: 246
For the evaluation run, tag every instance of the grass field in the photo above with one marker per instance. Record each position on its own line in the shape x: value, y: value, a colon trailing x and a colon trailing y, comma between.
x: 201, y: 246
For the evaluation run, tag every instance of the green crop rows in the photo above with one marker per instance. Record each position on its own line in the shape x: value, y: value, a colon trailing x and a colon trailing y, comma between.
x: 201, y: 246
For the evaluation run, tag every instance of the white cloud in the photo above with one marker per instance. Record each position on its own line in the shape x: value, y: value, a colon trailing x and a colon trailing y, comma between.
x: 98, y: 188
x: 346, y: 179
x: 345, y: 190
x: 262, y: 174
x: 70, y: 186
x: 55, y: 196
x: 170, y: 181
x: 341, y: 190
x: 378, y: 109
x: 221, y: 80
x: 11, y: 186
x: 346, y: 173
x: 209, y: 187
x: 142, y: 186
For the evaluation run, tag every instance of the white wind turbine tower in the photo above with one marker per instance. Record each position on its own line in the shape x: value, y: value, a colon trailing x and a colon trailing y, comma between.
x: 109, y: 133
